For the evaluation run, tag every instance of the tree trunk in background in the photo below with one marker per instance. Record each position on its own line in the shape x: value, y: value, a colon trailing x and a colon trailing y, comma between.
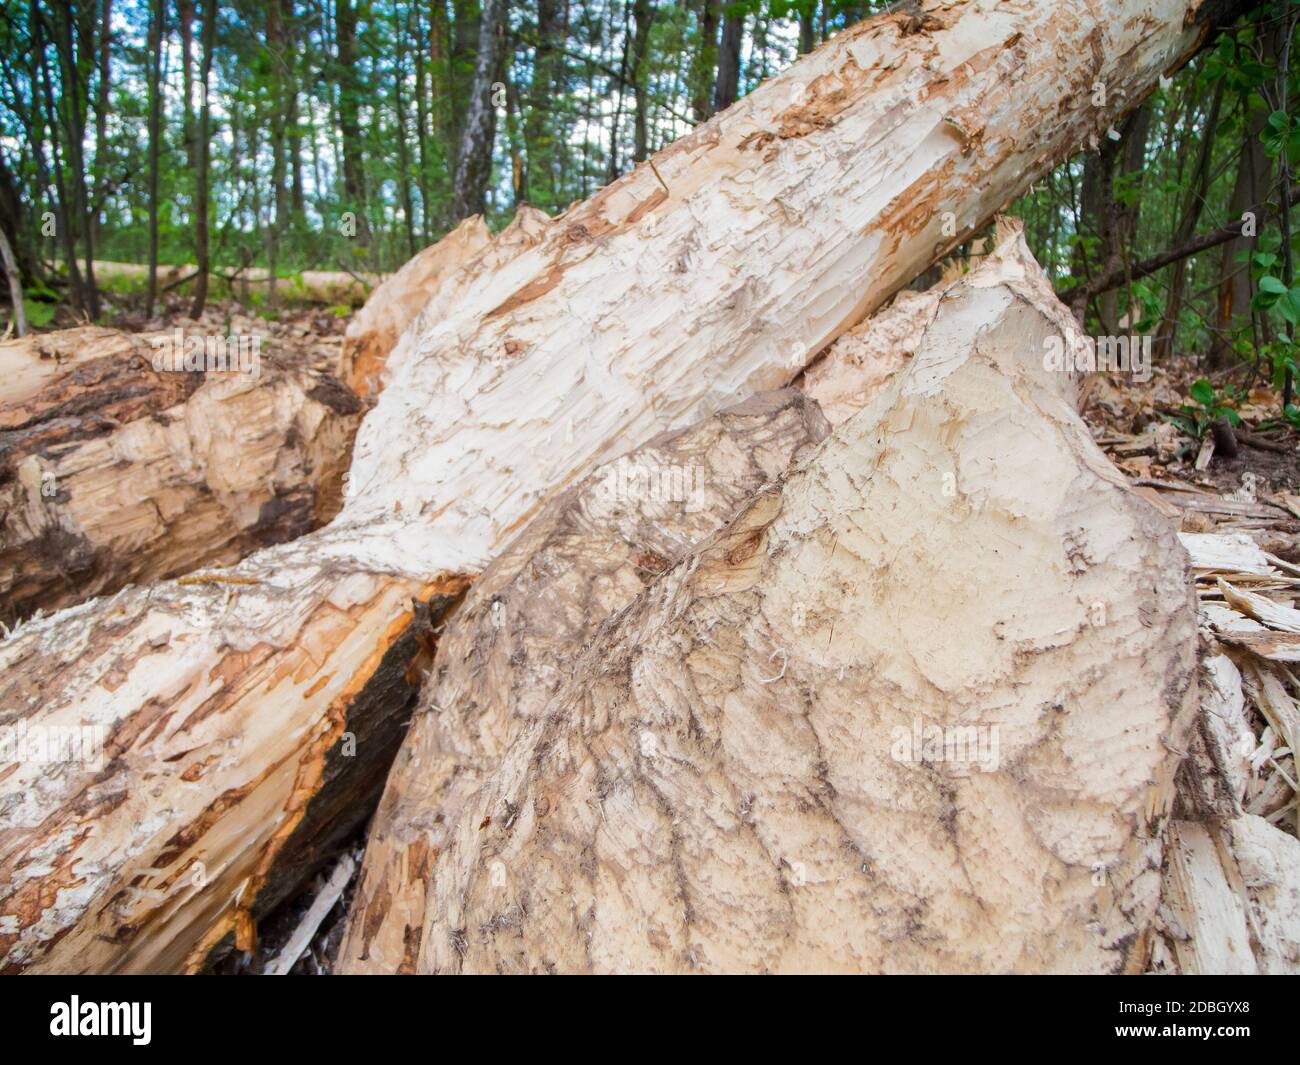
x: 539, y: 136
x: 727, y: 90
x: 11, y: 219
x: 354, y: 182
x: 474, y: 157
x: 208, y: 35
x: 807, y: 26
x: 1086, y: 257
x: 1188, y: 220
x: 15, y: 284
x: 67, y: 120
x: 423, y: 79
x: 705, y: 61
x: 278, y: 46
x: 293, y: 60
x: 643, y: 13
x: 403, y: 149
x: 463, y: 33
x: 1254, y: 174
x: 101, y: 116
x: 154, y: 59
x: 185, y: 24
x: 787, y: 215
x: 1120, y: 220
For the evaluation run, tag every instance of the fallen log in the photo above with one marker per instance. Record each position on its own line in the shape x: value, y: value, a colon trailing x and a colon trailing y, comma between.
x: 717, y: 271
x: 316, y: 286
x: 528, y: 617
x: 113, y: 472
x: 134, y: 842
x: 912, y: 710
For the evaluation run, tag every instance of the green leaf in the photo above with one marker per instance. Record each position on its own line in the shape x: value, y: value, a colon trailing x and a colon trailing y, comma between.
x: 1203, y: 392
x: 39, y: 313
x: 1272, y: 285
x: 1288, y: 306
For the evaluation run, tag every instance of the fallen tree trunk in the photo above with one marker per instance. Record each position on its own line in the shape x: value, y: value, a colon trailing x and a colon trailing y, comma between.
x: 113, y: 472
x: 717, y: 271
x: 818, y: 743
x: 316, y: 286
x: 525, y: 230
x: 527, y: 619
x: 135, y: 842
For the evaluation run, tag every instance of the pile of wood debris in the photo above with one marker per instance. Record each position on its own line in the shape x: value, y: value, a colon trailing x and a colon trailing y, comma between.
x: 1232, y: 888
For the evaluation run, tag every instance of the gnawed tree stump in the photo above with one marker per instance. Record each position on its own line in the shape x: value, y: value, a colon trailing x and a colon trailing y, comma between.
x: 375, y: 329
x: 113, y: 472
x: 911, y: 711
x: 748, y: 246
x: 528, y: 619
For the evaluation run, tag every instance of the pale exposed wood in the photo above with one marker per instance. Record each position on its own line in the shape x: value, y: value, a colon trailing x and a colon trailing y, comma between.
x: 525, y: 230
x: 1205, y: 905
x: 1269, y: 863
x: 311, y: 920
x: 726, y: 783
x: 751, y: 244
x: 1226, y: 731
x: 858, y: 366
x: 1228, y: 553
x: 1232, y: 897
x: 1261, y: 608
x: 392, y: 306
x: 112, y: 472
x: 29, y: 365
x: 528, y: 619
x: 764, y: 233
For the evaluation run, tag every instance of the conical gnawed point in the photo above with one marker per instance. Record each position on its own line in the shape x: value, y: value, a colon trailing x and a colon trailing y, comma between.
x: 810, y: 745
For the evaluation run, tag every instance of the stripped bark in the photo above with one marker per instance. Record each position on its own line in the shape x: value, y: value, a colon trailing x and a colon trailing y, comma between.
x: 461, y: 263
x: 392, y: 307
x: 861, y: 363
x: 216, y: 735
x: 728, y: 781
x: 747, y: 247
x: 112, y: 472
x: 528, y: 619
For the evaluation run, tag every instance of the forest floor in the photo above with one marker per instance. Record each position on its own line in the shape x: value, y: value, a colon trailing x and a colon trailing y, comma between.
x: 1255, y: 492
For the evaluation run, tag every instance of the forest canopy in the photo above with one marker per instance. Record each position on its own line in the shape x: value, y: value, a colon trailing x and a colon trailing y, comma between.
x: 346, y: 135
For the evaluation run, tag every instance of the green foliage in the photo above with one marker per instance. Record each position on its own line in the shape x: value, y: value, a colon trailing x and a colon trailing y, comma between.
x: 40, y: 313
x: 1207, y: 407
